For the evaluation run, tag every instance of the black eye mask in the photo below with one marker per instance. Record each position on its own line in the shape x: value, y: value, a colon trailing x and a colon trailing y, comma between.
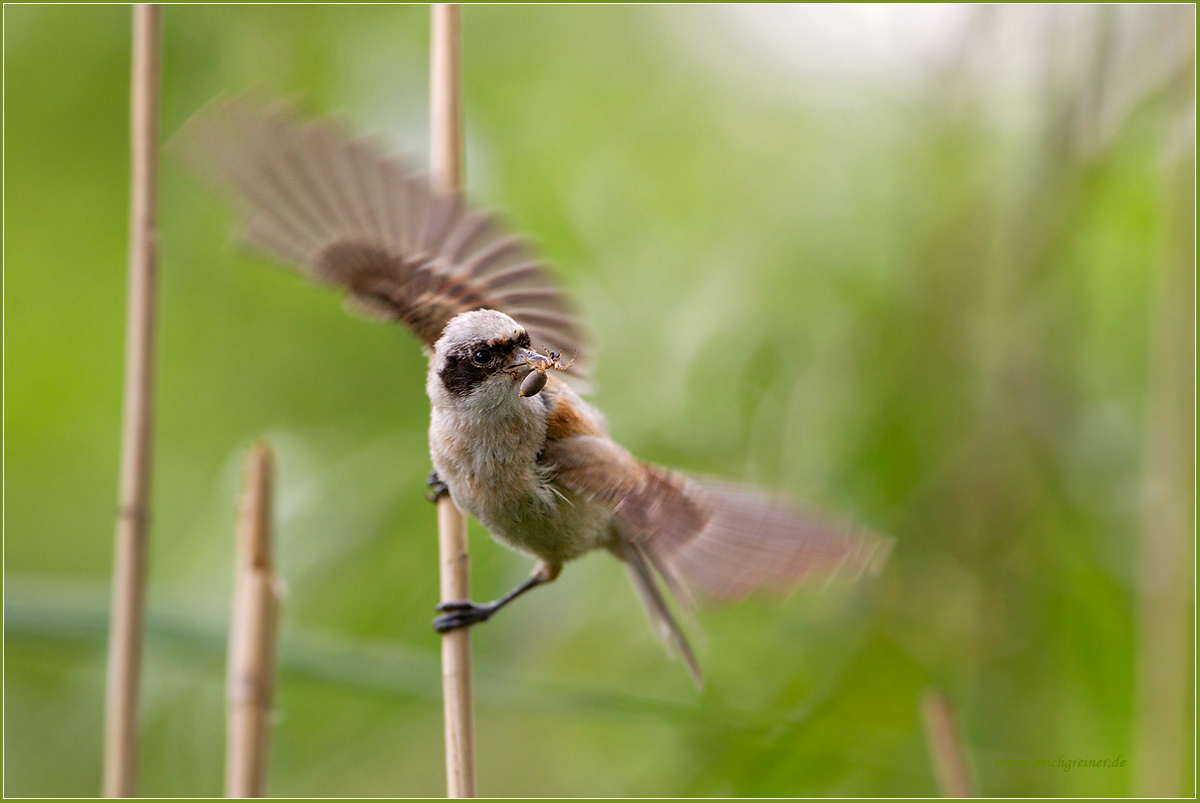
x: 465, y: 369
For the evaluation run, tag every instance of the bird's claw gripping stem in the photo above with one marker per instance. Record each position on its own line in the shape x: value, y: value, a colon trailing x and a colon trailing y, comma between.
x: 462, y: 614
x: 437, y: 488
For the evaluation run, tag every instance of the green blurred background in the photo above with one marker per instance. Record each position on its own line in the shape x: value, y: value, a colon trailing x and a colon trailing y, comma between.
x: 929, y: 267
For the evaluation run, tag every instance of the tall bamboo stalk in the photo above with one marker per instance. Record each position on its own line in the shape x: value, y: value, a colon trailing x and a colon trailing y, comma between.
x: 445, y: 97
x: 945, y: 746
x: 129, y: 562
x: 252, y: 636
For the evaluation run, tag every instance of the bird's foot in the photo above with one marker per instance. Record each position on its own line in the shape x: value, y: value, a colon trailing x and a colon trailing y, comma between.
x: 437, y: 488
x: 462, y: 614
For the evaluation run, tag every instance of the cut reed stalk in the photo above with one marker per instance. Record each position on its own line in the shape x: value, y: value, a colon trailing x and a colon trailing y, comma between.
x: 252, y: 636
x: 446, y: 151
x: 945, y: 746
x: 131, y: 544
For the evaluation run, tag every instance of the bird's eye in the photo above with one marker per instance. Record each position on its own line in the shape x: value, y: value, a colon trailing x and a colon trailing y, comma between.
x: 481, y: 356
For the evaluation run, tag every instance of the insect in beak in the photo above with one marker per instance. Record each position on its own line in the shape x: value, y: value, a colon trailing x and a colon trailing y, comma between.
x: 527, y: 358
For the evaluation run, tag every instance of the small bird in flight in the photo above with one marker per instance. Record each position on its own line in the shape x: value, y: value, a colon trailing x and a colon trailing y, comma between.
x: 512, y: 442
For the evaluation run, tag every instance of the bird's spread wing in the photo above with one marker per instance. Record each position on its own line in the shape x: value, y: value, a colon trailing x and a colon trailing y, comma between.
x: 347, y: 214
x: 722, y: 540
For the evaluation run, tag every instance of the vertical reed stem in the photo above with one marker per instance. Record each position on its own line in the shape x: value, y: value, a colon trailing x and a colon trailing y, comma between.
x: 445, y: 96
x: 945, y: 746
x: 129, y: 561
x: 1167, y: 549
x: 252, y: 636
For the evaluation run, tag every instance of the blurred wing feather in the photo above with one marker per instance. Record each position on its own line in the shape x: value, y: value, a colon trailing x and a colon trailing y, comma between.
x: 753, y: 541
x: 348, y: 215
x: 722, y: 540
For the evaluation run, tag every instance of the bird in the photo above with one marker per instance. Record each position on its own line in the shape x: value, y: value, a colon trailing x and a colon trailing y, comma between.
x: 512, y: 440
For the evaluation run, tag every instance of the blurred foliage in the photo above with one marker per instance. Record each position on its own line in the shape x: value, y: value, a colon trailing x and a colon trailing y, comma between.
x: 928, y: 307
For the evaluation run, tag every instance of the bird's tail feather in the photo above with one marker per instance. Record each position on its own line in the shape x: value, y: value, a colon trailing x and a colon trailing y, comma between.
x: 643, y: 570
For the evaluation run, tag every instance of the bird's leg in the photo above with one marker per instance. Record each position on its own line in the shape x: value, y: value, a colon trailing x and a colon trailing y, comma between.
x: 437, y: 488
x: 467, y: 613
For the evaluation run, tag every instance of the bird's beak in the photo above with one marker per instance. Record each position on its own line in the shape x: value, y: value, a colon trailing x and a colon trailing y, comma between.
x: 526, y: 358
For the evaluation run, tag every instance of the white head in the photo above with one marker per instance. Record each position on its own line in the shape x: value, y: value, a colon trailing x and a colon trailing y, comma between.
x: 479, y: 361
